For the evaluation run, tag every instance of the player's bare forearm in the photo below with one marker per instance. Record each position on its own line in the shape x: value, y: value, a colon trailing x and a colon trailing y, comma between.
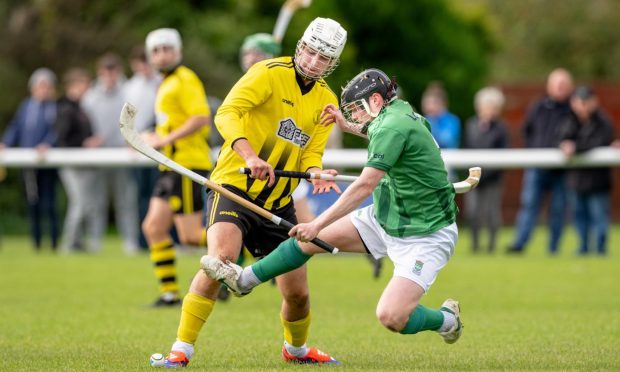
x: 244, y: 149
x: 192, y: 124
x: 352, y: 197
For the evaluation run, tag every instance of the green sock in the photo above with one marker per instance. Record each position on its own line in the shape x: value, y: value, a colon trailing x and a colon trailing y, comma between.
x: 423, y: 319
x: 287, y: 257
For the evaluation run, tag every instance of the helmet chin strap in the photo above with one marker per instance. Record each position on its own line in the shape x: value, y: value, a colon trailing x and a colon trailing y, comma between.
x: 369, y: 109
x: 373, y: 116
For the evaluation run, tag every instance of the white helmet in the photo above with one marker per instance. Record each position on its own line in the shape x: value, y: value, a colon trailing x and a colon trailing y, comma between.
x: 163, y: 36
x: 325, y: 37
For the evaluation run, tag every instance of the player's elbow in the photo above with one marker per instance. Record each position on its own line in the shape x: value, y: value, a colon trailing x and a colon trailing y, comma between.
x: 199, y: 121
x: 365, y: 186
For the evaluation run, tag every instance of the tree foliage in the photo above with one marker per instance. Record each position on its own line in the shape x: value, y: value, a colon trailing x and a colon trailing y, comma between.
x: 540, y: 35
x: 416, y: 41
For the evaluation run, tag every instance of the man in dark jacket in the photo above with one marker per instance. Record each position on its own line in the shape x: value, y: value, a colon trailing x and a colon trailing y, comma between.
x: 589, y: 188
x: 542, y: 130
x: 33, y: 127
x: 74, y: 130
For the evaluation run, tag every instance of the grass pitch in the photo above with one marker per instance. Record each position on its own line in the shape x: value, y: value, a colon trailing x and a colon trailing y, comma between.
x: 534, y: 312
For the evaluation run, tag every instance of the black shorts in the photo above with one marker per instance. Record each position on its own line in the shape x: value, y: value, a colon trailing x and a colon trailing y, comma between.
x: 260, y: 236
x: 184, y: 195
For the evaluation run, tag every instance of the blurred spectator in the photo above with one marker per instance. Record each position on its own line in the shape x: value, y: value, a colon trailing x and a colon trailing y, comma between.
x: 542, y: 129
x: 103, y: 103
x: 74, y: 130
x: 258, y: 47
x: 589, y: 188
x: 445, y: 126
x: 141, y: 91
x: 483, y: 205
x: 33, y: 127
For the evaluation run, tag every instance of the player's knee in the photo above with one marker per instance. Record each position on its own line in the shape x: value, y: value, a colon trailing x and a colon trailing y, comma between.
x: 202, y: 285
x: 148, y: 228
x: 154, y: 229
x: 392, y: 320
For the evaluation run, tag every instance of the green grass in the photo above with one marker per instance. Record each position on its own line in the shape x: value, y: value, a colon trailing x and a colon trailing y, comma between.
x: 533, y: 312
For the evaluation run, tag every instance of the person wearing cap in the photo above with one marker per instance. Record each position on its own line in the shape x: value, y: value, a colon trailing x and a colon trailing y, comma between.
x: 102, y: 104
x: 33, y: 127
x: 183, y: 123
x: 258, y: 47
x: 542, y: 129
x: 588, y: 127
x: 412, y: 220
x: 269, y: 120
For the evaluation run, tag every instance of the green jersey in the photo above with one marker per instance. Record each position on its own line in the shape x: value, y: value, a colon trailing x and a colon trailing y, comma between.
x: 415, y: 196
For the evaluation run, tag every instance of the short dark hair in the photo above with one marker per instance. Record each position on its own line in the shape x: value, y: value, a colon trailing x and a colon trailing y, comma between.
x: 74, y: 74
x: 436, y: 89
x: 110, y: 61
x: 138, y: 53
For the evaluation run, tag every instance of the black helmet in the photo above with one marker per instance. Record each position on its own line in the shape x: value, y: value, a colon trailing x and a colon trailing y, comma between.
x: 354, y: 98
x: 367, y: 82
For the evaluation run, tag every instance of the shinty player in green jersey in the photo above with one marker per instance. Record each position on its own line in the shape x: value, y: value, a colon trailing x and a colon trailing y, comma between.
x: 412, y: 220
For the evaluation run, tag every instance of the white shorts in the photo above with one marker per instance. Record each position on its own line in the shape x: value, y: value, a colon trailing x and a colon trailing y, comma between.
x: 418, y: 258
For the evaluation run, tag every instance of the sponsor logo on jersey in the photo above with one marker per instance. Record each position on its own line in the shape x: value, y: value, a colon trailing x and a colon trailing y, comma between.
x: 289, y: 131
x: 417, y: 268
x: 288, y: 102
x: 373, y: 156
x: 229, y: 213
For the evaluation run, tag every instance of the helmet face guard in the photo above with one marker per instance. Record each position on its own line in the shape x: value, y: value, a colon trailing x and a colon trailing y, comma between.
x: 358, y: 113
x: 355, y: 96
x: 318, y: 51
x: 311, y: 64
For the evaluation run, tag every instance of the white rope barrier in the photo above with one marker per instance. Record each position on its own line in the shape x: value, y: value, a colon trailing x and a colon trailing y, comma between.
x: 352, y: 158
x: 500, y: 159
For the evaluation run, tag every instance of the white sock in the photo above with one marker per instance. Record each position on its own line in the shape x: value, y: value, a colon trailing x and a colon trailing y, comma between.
x: 449, y: 321
x: 298, y: 351
x: 248, y: 280
x: 186, y: 348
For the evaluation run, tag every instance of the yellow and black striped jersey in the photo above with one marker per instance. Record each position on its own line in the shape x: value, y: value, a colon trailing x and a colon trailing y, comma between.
x: 279, y: 116
x: 181, y: 95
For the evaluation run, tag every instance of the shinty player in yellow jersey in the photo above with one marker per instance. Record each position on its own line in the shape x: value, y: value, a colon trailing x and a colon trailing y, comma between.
x: 183, y: 122
x: 270, y: 119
